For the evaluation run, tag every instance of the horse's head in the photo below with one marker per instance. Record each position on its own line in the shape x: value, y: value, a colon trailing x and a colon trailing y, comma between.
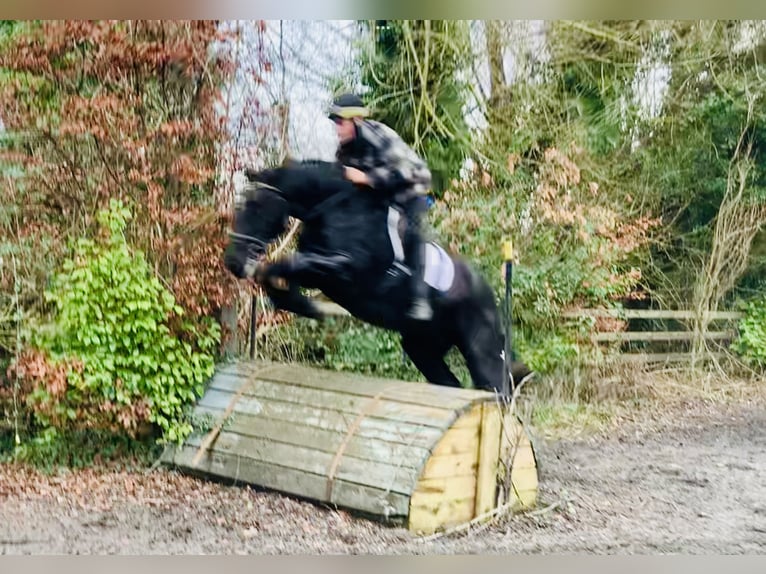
x: 259, y: 221
x: 294, y: 189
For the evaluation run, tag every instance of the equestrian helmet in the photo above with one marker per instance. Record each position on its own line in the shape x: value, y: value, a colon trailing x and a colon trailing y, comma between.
x: 348, y: 106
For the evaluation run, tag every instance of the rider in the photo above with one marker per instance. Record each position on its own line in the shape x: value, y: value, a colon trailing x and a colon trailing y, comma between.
x: 376, y: 157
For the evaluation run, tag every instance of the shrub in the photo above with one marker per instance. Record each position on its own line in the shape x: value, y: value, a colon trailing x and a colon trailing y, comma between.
x: 119, y: 353
x: 573, y: 244
x: 341, y: 344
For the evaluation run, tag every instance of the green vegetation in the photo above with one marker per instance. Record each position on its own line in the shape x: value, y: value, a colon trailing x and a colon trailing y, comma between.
x: 111, y: 359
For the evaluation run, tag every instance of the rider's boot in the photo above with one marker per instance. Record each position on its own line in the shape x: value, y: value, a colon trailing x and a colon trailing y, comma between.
x: 420, y: 308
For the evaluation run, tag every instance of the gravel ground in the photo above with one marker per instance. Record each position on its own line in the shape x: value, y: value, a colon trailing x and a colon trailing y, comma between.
x: 692, y: 481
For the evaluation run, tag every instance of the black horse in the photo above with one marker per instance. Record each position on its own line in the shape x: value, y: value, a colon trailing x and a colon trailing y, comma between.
x: 350, y: 248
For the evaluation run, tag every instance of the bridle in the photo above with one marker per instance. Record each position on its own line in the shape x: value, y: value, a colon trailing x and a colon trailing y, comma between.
x: 243, y: 238
x: 240, y: 238
x: 255, y: 247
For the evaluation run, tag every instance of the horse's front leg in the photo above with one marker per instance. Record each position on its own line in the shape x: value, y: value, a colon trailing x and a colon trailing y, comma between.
x: 283, y: 278
x: 292, y: 300
x: 309, y: 269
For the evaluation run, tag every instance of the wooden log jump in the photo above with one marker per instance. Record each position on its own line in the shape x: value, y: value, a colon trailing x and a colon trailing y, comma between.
x: 416, y: 454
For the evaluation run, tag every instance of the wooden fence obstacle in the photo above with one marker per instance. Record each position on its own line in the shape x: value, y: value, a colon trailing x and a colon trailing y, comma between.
x: 417, y: 454
x: 666, y: 344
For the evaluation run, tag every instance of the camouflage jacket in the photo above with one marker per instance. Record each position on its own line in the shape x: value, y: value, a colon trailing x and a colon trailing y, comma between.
x: 394, y: 169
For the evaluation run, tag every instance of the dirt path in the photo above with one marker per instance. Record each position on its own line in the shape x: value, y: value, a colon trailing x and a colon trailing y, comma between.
x: 693, y: 483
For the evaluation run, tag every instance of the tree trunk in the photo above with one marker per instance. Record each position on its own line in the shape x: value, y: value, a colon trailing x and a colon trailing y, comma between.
x: 497, y: 80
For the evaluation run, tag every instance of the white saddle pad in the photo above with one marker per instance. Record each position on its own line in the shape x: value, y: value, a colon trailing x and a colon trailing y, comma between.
x: 439, y: 268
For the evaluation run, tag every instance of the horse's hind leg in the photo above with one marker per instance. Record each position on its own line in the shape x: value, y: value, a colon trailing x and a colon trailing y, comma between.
x: 429, y: 360
x: 482, y: 349
x: 480, y: 339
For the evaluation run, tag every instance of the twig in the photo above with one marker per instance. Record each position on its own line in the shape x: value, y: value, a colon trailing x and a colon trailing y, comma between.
x: 25, y: 540
x: 517, y: 391
x: 156, y: 464
x: 539, y: 512
x: 546, y: 509
x: 507, y: 482
x: 467, y: 525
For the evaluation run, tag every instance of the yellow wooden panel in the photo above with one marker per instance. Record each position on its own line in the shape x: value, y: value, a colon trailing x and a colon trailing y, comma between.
x: 471, y: 419
x: 426, y: 519
x: 446, y: 484
x: 524, y: 458
x: 521, y: 500
x: 450, y: 465
x: 515, y: 442
x: 523, y: 494
x: 489, y: 452
x: 457, y: 441
x: 526, y: 499
x: 524, y: 473
x: 513, y: 432
x: 431, y: 491
x: 435, y: 501
x: 525, y: 480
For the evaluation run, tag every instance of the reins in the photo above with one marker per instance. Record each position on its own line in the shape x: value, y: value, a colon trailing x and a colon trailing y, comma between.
x: 249, y: 239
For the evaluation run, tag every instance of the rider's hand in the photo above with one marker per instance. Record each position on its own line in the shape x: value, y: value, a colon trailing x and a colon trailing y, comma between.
x: 356, y: 176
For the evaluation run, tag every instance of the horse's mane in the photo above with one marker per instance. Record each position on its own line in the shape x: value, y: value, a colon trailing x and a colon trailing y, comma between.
x: 322, y: 169
x: 311, y: 162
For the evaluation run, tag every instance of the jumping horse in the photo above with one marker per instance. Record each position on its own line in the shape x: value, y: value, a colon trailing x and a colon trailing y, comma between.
x: 350, y: 248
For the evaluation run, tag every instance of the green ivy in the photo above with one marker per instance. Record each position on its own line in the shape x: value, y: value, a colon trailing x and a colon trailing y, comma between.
x: 117, y: 318
x: 750, y: 343
x: 53, y: 449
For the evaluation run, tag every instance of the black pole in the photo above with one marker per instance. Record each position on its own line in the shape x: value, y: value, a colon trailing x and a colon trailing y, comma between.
x: 508, y: 351
x: 253, y: 317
